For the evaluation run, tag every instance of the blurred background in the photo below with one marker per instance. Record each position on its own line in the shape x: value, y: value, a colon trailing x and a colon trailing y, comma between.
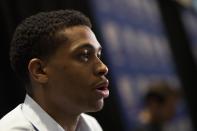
x: 144, y: 41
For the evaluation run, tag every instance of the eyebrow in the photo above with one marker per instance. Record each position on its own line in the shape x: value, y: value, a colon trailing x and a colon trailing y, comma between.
x: 87, y: 45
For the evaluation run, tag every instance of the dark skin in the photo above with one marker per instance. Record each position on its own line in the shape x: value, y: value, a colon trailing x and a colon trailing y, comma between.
x: 72, y: 81
x: 159, y: 113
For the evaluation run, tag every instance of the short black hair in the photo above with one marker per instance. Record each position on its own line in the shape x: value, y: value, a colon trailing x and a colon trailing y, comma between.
x: 35, y: 37
x: 160, y: 92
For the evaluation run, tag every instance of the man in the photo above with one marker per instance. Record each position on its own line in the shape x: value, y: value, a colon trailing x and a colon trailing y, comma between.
x: 160, y: 106
x: 57, y: 56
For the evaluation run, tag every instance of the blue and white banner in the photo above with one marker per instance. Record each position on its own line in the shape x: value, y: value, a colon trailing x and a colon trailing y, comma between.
x: 137, y: 53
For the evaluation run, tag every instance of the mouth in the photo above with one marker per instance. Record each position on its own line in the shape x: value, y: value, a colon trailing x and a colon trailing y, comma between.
x: 102, y: 89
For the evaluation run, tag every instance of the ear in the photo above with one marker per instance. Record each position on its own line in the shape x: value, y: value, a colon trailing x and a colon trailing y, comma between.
x: 37, y: 72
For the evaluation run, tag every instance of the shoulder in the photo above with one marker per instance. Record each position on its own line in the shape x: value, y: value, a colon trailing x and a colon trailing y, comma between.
x: 91, y: 122
x: 15, y: 121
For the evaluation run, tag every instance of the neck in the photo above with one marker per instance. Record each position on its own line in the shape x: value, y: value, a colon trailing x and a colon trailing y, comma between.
x: 66, y: 117
x: 68, y: 122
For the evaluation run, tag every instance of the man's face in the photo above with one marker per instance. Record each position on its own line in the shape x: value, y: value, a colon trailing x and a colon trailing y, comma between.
x: 168, y: 109
x: 76, y: 75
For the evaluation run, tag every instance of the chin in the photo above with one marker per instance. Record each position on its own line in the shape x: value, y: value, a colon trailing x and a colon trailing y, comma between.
x: 97, y: 106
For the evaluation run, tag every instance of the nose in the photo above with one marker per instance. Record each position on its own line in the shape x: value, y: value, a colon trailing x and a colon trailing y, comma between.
x: 100, y: 68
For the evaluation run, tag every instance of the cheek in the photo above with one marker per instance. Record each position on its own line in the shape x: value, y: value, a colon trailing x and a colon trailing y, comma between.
x: 75, y: 78
x: 72, y: 76
x: 78, y: 74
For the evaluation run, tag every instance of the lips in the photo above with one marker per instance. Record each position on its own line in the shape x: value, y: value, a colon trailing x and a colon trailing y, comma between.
x: 102, y: 88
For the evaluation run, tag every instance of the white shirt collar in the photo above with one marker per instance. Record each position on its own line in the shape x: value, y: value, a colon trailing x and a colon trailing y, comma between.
x: 38, y: 117
x: 44, y: 122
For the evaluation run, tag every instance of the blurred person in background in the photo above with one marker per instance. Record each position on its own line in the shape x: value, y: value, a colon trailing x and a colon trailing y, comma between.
x: 160, y: 104
x: 57, y: 57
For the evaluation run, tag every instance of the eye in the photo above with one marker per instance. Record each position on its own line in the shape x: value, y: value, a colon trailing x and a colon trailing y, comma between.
x: 85, y: 55
x: 99, y: 54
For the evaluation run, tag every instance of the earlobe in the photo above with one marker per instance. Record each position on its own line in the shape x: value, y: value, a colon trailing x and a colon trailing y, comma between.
x: 36, y: 68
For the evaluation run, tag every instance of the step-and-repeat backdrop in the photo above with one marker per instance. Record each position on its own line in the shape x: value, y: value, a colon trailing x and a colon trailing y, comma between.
x: 138, y: 54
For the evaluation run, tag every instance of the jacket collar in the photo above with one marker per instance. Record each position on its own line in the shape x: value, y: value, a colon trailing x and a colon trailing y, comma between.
x: 38, y: 117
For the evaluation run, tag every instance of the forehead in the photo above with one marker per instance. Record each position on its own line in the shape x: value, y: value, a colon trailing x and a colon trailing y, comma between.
x: 79, y: 35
